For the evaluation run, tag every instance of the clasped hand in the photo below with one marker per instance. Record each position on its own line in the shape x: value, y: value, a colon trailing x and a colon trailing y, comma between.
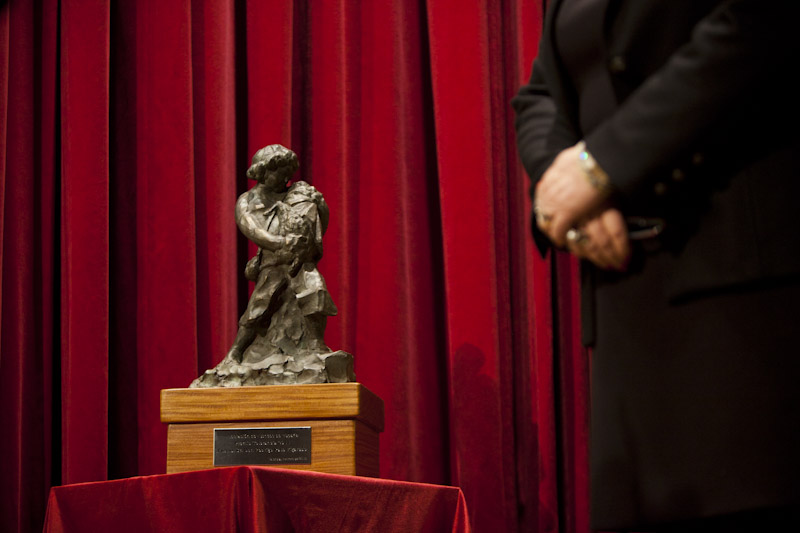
x: 565, y: 200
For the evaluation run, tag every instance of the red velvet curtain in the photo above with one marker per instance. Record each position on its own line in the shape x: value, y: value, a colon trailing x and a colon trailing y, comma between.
x: 125, y: 131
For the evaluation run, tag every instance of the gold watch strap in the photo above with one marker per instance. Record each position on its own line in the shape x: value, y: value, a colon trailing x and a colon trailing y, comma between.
x: 596, y: 176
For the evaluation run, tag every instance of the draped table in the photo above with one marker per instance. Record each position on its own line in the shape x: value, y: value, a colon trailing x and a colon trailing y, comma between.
x: 255, y: 499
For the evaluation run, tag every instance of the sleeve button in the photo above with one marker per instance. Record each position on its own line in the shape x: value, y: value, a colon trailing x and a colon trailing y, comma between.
x: 617, y: 65
x: 660, y: 188
x: 678, y: 175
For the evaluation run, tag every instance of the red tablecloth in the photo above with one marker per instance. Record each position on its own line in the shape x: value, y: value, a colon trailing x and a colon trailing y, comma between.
x: 255, y: 499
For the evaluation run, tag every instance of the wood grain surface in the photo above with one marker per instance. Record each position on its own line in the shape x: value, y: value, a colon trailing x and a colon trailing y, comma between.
x: 345, y: 420
x: 275, y: 402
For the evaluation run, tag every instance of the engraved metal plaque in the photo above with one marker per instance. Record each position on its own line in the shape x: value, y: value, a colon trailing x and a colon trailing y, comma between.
x: 262, y: 446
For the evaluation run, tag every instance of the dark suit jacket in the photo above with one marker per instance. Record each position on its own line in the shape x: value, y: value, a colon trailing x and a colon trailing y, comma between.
x: 705, y: 133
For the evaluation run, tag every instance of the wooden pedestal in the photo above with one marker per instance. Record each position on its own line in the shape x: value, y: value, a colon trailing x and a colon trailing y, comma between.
x: 345, y: 420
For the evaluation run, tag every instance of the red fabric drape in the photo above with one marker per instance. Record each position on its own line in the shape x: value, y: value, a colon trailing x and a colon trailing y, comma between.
x: 126, y: 128
x: 256, y: 499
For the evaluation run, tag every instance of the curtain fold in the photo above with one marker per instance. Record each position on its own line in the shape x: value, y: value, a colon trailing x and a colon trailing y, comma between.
x: 396, y: 310
x: 126, y: 129
x: 469, y: 113
x: 215, y: 175
x: 166, y: 259
x: 23, y: 355
x: 84, y: 237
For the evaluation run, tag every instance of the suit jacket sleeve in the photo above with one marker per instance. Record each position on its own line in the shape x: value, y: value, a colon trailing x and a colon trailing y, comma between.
x: 542, y: 132
x: 733, y: 52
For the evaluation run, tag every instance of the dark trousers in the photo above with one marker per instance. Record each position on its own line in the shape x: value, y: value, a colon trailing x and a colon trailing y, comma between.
x: 756, y: 521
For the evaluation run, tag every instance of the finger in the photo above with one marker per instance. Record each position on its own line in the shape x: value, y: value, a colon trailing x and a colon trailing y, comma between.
x: 557, y: 229
x: 567, y: 207
x: 597, y: 244
x: 617, y: 231
x: 576, y: 243
x: 610, y: 248
x: 543, y: 219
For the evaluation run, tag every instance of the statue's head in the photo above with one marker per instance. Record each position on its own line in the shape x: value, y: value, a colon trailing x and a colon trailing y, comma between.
x: 274, y: 161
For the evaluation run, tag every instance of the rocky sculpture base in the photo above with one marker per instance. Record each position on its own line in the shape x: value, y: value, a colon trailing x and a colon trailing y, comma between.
x: 281, y: 369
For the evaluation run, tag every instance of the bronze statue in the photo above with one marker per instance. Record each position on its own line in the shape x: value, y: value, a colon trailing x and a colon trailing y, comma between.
x: 280, y: 337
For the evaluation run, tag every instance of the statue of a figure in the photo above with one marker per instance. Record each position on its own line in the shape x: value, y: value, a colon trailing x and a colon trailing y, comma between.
x: 280, y: 337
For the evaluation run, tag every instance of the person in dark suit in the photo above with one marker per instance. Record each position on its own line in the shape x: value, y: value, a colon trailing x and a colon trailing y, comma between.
x: 662, y: 140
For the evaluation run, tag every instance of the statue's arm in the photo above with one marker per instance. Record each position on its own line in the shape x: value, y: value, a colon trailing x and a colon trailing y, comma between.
x: 252, y: 223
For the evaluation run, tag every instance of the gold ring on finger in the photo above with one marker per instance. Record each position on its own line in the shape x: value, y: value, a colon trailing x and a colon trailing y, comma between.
x: 542, y: 219
x: 576, y: 236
